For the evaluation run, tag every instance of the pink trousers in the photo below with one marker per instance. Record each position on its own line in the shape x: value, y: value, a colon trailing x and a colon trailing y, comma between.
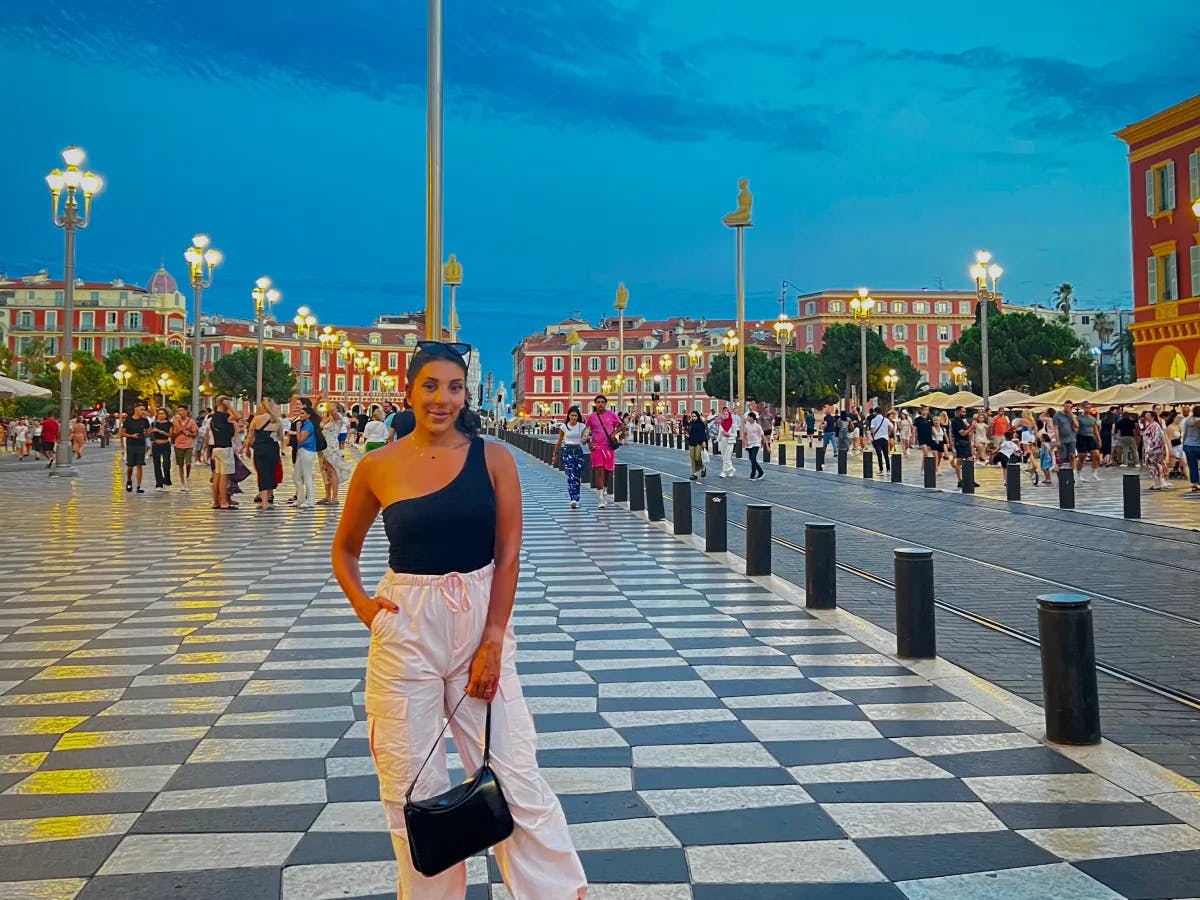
x: 417, y: 670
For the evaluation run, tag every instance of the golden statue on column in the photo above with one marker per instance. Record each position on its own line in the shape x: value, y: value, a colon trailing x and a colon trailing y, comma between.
x: 452, y: 271
x: 622, y: 296
x: 740, y: 217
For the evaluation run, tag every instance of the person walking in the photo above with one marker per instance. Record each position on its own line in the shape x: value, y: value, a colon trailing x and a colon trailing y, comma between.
x: 160, y: 449
x: 1154, y: 450
x: 753, y: 437
x: 881, y: 440
x: 1001, y: 425
x: 1190, y: 430
x: 570, y: 448
x: 1066, y: 427
x: 980, y: 439
x: 1087, y: 441
x: 697, y: 440
x: 184, y: 433
x: 262, y: 449
x: 375, y: 434
x: 79, y: 436
x: 133, y: 434
x: 726, y: 437
x: 960, y: 435
x: 403, y: 422
x: 305, y: 440
x: 442, y: 638
x: 1125, y: 450
x: 222, y: 426
x: 334, y: 468
x: 605, y: 429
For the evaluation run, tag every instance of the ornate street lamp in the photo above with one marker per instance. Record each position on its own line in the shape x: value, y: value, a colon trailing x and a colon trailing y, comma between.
x: 620, y: 303
x: 264, y: 297
x: 959, y: 373
x: 730, y: 342
x: 643, y: 376
x: 165, y: 381
x: 783, y: 334
x: 861, y: 308
x: 122, y: 375
x: 201, y: 259
x: 695, y: 358
x: 68, y: 184
x: 305, y: 322
x: 890, y: 380
x: 983, y: 271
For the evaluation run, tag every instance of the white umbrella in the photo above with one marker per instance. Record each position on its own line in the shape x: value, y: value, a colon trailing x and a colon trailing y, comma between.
x: 10, y: 387
x: 1168, y: 393
x: 1007, y: 398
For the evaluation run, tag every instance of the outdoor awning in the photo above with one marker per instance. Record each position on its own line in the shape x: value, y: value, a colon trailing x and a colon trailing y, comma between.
x: 10, y: 387
x: 962, y: 398
x: 932, y: 399
x: 1007, y: 398
x: 1057, y: 397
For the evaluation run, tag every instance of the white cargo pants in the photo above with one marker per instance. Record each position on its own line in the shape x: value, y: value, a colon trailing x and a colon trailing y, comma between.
x: 417, y: 670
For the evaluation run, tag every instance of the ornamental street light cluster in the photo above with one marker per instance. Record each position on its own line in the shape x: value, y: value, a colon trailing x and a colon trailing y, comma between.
x: 67, y: 184
x: 861, y: 308
x: 985, y: 272
x: 890, y: 380
x: 122, y: 376
x: 695, y: 356
x: 305, y: 323
x: 730, y: 342
x: 783, y: 334
x: 202, y: 258
x: 265, y: 296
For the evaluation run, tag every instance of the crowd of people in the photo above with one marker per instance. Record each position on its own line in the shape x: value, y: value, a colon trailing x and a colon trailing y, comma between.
x: 37, y: 438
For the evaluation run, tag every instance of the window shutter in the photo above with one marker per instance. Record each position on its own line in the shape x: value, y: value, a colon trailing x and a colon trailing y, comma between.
x: 1152, y: 279
x: 1194, y: 179
x: 1170, y: 187
x: 1172, y: 287
x: 1196, y: 270
x: 1150, y: 208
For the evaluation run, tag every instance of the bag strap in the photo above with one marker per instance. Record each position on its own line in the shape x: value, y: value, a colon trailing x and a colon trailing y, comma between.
x: 487, y: 743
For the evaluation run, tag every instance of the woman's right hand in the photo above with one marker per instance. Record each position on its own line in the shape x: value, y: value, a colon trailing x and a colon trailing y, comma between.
x: 374, y: 607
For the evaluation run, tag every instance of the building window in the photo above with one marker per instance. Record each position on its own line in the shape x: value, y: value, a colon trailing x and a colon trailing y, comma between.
x: 85, y: 344
x: 306, y: 385
x: 593, y: 385
x: 899, y: 333
x: 1162, y: 277
x: 558, y: 364
x: 681, y: 361
x: 87, y: 321
x: 133, y: 321
x: 51, y: 320
x: 922, y: 353
x: 920, y: 306
x: 593, y: 364
x: 836, y: 306
x: 964, y: 307
x: 942, y: 308
x: 612, y: 344
x: 810, y: 308
x: 375, y: 338
x: 681, y: 384
x: 576, y: 385
x: 922, y: 332
x: 943, y: 332
x: 58, y: 298
x: 612, y: 364
x: 556, y: 385
x: 539, y: 385
x: 808, y: 333
x: 323, y: 382
x: 556, y: 408
x: 110, y: 321
x: 287, y: 355
x: 942, y: 357
x: 393, y: 360
x: 339, y: 384
x: 630, y: 364
x: 1195, y: 251
x: 577, y: 364
x: 899, y: 306
x: 25, y: 319
x: 539, y: 364
x: 630, y: 386
x: 1194, y: 181
x: 1085, y: 320
x: 110, y: 345
x: 1160, y: 188
x: 95, y: 296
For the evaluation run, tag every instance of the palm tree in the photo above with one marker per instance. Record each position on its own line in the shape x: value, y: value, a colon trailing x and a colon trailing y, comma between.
x: 1124, y: 346
x: 1103, y: 325
x: 1063, y: 295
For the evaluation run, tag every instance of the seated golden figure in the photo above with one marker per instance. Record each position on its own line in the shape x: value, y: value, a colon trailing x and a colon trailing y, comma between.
x: 452, y: 271
x: 741, y: 216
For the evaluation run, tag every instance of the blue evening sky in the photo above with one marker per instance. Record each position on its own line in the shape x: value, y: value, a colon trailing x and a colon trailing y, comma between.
x: 587, y: 142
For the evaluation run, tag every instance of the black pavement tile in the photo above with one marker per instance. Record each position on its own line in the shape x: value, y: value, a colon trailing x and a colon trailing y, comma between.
x: 689, y: 733
x: 1018, y: 816
x: 275, y: 702
x: 585, y: 756
x: 357, y: 788
x: 633, y: 656
x: 845, y: 713
x: 138, y: 723
x: 261, y: 883
x: 832, y: 648
x: 288, y: 818
x: 350, y: 747
x: 916, y: 728
x: 606, y: 807
x: 640, y: 704
x: 40, y: 806
x: 116, y: 757
x: 839, y: 891
x: 546, y: 668
x: 916, y: 790
x: 546, y: 722
x: 182, y: 667
x: 7, y: 781
x: 37, y: 686
x: 709, y: 643
x: 1148, y: 877
x: 343, y: 655
x: 1025, y: 761
x: 206, y: 689
x: 53, y: 709
x: 27, y: 743
x: 762, y: 825
x: 663, y: 779
x: 809, y: 753
x: 681, y: 672
x: 282, y: 730
x: 560, y: 690
x: 635, y: 866
x: 64, y: 859
x: 856, y: 671
x: 224, y: 774
x: 342, y: 847
x: 925, y: 693
x: 937, y: 855
x: 753, y: 687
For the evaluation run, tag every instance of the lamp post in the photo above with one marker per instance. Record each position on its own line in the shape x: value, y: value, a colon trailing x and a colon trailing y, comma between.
x: 201, y: 258
x: 739, y: 221
x: 164, y: 382
x: 1096, y: 352
x: 264, y: 297
x: 433, y: 174
x: 730, y: 342
x: 573, y: 343
x: 305, y: 322
x: 122, y: 375
x: 452, y: 276
x: 861, y: 308
x: 330, y: 340
x: 783, y: 333
x: 70, y: 182
x: 959, y: 373
x: 666, y: 363
x: 643, y: 374
x: 695, y: 358
x: 890, y: 380
x: 982, y: 271
x: 64, y: 370
x: 621, y: 302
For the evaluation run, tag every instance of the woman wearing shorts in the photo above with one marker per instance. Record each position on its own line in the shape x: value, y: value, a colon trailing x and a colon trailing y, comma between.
x: 606, y: 429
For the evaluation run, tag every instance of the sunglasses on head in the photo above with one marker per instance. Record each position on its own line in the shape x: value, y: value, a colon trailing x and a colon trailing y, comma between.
x: 461, y: 350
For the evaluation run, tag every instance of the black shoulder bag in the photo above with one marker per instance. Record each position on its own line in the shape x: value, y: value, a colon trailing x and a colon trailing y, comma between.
x: 612, y: 441
x: 465, y: 820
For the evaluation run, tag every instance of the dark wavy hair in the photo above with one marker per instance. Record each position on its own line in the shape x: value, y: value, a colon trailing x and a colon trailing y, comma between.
x: 468, y: 421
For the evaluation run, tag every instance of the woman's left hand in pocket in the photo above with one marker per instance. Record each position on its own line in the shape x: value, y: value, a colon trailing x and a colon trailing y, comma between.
x: 485, y: 669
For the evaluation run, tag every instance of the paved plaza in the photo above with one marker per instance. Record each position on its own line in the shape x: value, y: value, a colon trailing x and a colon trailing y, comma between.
x: 181, y: 716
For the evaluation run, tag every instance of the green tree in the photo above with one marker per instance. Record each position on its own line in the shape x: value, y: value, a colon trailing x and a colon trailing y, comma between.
x: 6, y: 360
x: 1125, y: 349
x: 910, y: 382
x: 841, y: 356
x: 33, y: 357
x: 716, y: 383
x: 1026, y: 353
x: 1064, y: 296
x: 90, y: 383
x: 148, y: 361
x: 236, y: 374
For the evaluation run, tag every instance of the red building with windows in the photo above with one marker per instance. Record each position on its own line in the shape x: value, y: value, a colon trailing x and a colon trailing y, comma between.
x: 1164, y: 183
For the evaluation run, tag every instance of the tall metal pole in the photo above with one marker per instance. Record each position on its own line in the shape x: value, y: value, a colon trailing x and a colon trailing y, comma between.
x: 62, y: 452
x: 783, y: 385
x: 731, y: 399
x: 985, y: 302
x: 300, y: 336
x: 197, y: 291
x: 741, y: 318
x: 433, y: 177
x: 862, y: 335
x: 621, y: 362
x: 453, y: 315
x: 261, y: 319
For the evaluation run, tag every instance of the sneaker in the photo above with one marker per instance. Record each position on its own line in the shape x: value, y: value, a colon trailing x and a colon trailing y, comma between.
x: 704, y: 472
x: 1095, y: 474
x: 128, y: 487
x: 695, y: 477
x: 140, y: 491
x: 603, y: 502
x: 574, y: 504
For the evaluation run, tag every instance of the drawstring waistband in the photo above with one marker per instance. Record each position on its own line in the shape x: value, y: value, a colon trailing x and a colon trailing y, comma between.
x: 455, y: 590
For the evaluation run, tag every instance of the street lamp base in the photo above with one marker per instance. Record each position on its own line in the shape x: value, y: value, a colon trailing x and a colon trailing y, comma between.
x: 64, y: 472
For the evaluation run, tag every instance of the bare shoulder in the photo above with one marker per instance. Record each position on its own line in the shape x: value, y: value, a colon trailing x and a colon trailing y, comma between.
x: 499, y: 460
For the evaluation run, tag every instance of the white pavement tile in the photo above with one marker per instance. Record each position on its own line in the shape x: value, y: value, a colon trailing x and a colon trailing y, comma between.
x: 627, y: 689
x: 868, y: 820
x: 561, y: 704
x: 45, y: 889
x: 1074, y: 788
x: 810, y: 730
x: 1076, y: 844
x: 850, y: 660
x: 38, y: 724
x: 724, y: 673
x: 740, y: 755
x: 966, y: 743
x: 802, y: 862
x: 1060, y: 882
x: 635, y: 718
x: 622, y: 834
x: 950, y: 711
x: 361, y: 816
x: 277, y: 794
x: 20, y: 763
x: 868, y: 770
x: 590, y: 737
x: 868, y: 682
x: 290, y: 716
x: 141, y: 853
x: 169, y: 706
x: 126, y: 780
x: 272, y: 687
x: 768, y: 701
x: 588, y: 780
x: 680, y: 802
x: 239, y: 749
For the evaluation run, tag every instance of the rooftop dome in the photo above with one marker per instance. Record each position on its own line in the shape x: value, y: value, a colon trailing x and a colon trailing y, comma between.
x: 162, y: 282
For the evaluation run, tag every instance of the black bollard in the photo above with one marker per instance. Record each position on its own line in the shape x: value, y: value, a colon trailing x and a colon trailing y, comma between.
x: 716, y: 539
x: 821, y: 458
x: 820, y: 565
x: 1066, y: 488
x: 758, y: 539
x: 681, y: 500
x: 799, y: 456
x: 929, y: 468
x: 637, y: 490
x: 654, y: 497
x: 585, y: 475
x: 1069, y: 669
x: 843, y: 461
x: 737, y: 448
x: 1131, y: 493
x: 620, y: 482
x: 968, y: 476
x: 915, y: 635
x: 897, y: 470
x: 868, y: 465
x: 781, y: 449
x: 1012, y: 481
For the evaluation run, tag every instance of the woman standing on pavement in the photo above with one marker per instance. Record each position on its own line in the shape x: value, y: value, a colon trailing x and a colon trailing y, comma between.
x: 726, y: 436
x: 441, y: 629
x: 1190, y: 429
x: 78, y: 436
x: 263, y: 450
x: 1154, y: 450
x: 334, y: 468
x: 753, y: 437
x: 375, y: 433
x: 697, y: 437
x: 160, y: 449
x: 606, y: 429
x: 570, y: 446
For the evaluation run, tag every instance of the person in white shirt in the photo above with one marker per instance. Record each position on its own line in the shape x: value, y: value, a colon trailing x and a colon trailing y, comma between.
x: 570, y: 446
x: 1008, y: 451
x: 376, y: 431
x: 753, y: 436
x: 881, y: 434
